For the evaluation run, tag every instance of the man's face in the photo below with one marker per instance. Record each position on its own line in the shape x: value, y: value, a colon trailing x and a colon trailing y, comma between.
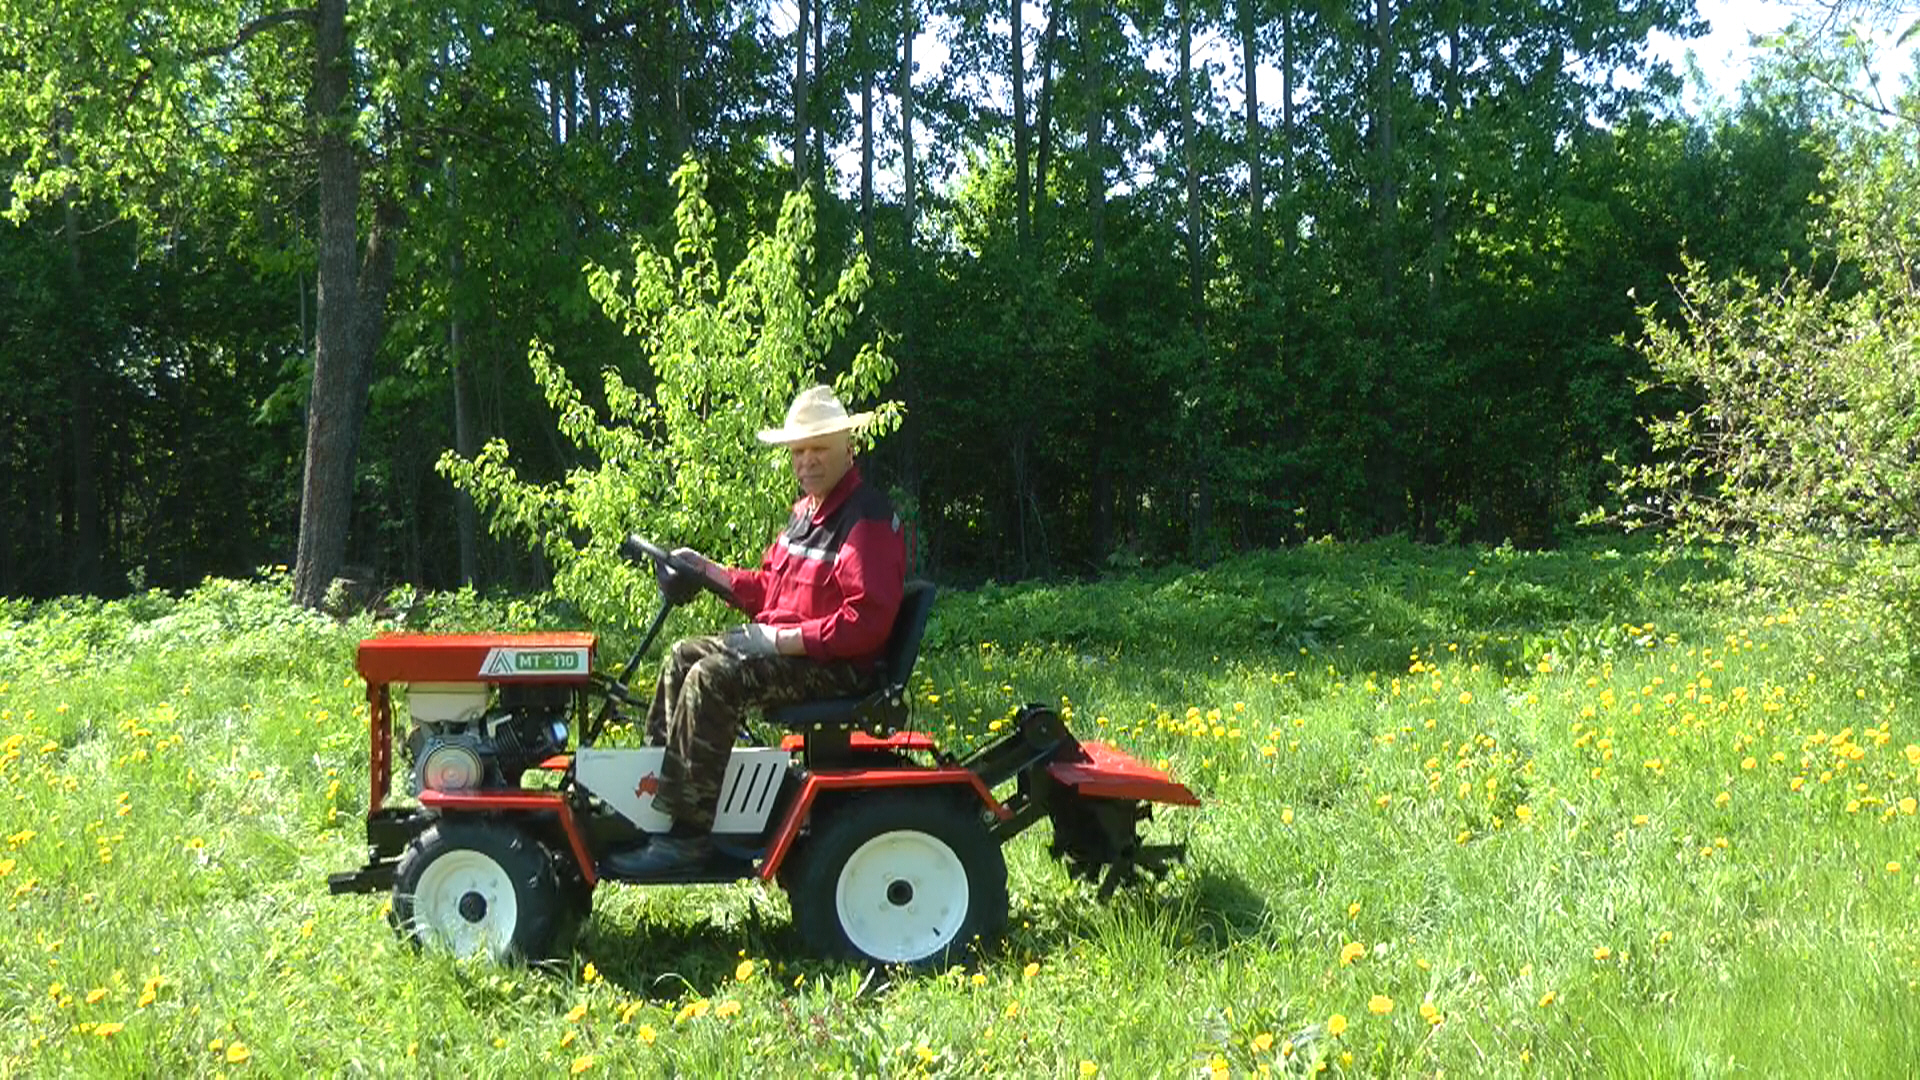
x: 820, y: 463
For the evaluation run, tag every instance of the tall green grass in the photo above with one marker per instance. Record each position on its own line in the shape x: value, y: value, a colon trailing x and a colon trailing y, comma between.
x: 1577, y: 813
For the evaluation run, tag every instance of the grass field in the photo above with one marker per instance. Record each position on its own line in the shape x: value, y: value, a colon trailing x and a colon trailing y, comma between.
x: 1472, y: 811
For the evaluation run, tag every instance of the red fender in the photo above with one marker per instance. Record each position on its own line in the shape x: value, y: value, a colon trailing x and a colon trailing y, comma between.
x: 480, y: 802
x: 866, y: 780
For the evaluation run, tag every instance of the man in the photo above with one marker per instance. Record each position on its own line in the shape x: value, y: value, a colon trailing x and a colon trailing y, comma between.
x: 824, y: 600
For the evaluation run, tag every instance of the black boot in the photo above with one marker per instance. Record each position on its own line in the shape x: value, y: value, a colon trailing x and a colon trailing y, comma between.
x: 662, y: 855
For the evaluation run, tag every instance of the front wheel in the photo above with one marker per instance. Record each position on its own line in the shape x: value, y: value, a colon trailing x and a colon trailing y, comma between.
x: 482, y: 888
x: 899, y: 879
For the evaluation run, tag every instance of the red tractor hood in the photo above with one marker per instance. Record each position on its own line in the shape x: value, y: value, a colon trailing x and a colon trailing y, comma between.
x: 563, y: 657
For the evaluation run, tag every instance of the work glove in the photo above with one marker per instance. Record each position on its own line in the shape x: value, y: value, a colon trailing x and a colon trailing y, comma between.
x: 712, y: 570
x: 753, y: 639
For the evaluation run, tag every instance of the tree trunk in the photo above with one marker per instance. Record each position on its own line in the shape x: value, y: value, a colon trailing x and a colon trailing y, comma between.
x: 866, y: 165
x: 1291, y: 222
x: 466, y: 440
x: 1441, y: 237
x: 348, y: 319
x: 906, y: 119
x: 866, y: 155
x: 1043, y: 122
x: 1090, y: 49
x: 1022, y: 187
x: 800, y: 97
x: 1249, y: 64
x: 1201, y: 522
x: 679, y: 48
x: 1189, y: 150
x: 1386, y: 190
x: 819, y: 158
x: 83, y: 566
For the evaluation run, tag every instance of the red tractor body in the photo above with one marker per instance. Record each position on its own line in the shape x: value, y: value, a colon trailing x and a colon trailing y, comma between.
x: 889, y: 847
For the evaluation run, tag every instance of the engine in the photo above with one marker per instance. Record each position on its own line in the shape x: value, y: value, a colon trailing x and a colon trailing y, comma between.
x: 466, y: 736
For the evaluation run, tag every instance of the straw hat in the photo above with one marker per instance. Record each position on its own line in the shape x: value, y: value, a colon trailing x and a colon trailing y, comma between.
x: 815, y: 412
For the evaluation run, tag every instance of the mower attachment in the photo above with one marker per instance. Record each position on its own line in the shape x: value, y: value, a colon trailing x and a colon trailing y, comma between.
x: 1093, y: 794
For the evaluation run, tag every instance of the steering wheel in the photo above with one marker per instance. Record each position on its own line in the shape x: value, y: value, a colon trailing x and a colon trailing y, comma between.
x: 678, y: 579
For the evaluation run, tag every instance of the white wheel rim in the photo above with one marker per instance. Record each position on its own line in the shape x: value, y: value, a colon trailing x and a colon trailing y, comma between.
x: 902, y: 896
x: 465, y: 903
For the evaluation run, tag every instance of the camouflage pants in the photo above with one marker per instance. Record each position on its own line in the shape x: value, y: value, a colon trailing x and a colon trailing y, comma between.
x: 704, y: 690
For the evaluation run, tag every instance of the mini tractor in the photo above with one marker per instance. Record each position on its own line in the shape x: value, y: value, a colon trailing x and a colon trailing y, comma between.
x: 888, y: 847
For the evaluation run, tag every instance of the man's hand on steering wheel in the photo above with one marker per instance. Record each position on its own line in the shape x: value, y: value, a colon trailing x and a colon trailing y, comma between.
x: 683, y: 565
x: 713, y: 571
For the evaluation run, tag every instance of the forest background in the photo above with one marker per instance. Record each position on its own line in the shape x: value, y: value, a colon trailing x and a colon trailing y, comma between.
x: 1159, y: 281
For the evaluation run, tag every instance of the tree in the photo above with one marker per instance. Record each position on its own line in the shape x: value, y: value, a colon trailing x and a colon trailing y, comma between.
x: 148, y: 112
x: 726, y: 354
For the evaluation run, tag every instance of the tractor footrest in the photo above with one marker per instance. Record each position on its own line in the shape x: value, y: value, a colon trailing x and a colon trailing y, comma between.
x: 721, y: 869
x: 1098, y: 771
x: 371, y: 878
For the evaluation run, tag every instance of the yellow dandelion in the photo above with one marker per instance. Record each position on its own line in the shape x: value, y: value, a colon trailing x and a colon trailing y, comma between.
x: 1088, y: 1068
x: 567, y: 1039
x: 1353, y: 910
x: 1286, y: 818
x: 1350, y: 952
x: 727, y: 1009
x: 1523, y: 813
x: 590, y: 974
x: 1337, y: 1025
x: 1012, y: 1010
x: 743, y: 971
x: 581, y: 1064
x: 1641, y: 819
x: 978, y: 979
x: 646, y: 1034
x: 1601, y: 952
x: 1466, y: 698
x: 1379, y: 1004
x: 1908, y: 805
x: 1722, y: 799
x: 1548, y: 998
x: 95, y: 995
x: 1031, y: 969
x: 575, y: 1014
x: 109, y: 1029
x: 1262, y: 1042
x: 238, y: 1053
x: 1893, y: 867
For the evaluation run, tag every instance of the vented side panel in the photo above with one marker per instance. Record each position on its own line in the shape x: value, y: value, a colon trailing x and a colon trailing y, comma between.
x: 628, y: 779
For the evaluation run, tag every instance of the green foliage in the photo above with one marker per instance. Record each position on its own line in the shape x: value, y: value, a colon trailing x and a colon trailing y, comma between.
x: 1800, y: 437
x: 680, y: 463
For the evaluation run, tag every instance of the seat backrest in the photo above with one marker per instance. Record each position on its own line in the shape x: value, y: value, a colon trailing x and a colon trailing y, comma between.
x: 909, y: 626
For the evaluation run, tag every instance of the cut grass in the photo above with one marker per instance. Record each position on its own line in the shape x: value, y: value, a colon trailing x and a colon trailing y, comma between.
x: 1473, y: 773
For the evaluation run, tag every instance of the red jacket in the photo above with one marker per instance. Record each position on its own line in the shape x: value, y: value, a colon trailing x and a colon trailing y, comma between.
x: 837, y: 573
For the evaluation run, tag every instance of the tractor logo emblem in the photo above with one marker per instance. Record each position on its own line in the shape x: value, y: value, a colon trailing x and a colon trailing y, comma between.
x: 511, y: 663
x: 649, y: 786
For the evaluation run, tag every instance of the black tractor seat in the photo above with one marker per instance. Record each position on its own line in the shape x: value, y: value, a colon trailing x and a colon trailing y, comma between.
x: 884, y: 709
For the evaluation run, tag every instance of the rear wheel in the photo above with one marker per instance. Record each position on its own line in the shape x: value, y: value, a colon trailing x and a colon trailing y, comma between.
x: 899, y: 879
x: 483, y: 888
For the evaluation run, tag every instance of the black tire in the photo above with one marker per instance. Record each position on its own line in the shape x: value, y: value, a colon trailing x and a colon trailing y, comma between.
x: 899, y: 878
x: 472, y: 887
